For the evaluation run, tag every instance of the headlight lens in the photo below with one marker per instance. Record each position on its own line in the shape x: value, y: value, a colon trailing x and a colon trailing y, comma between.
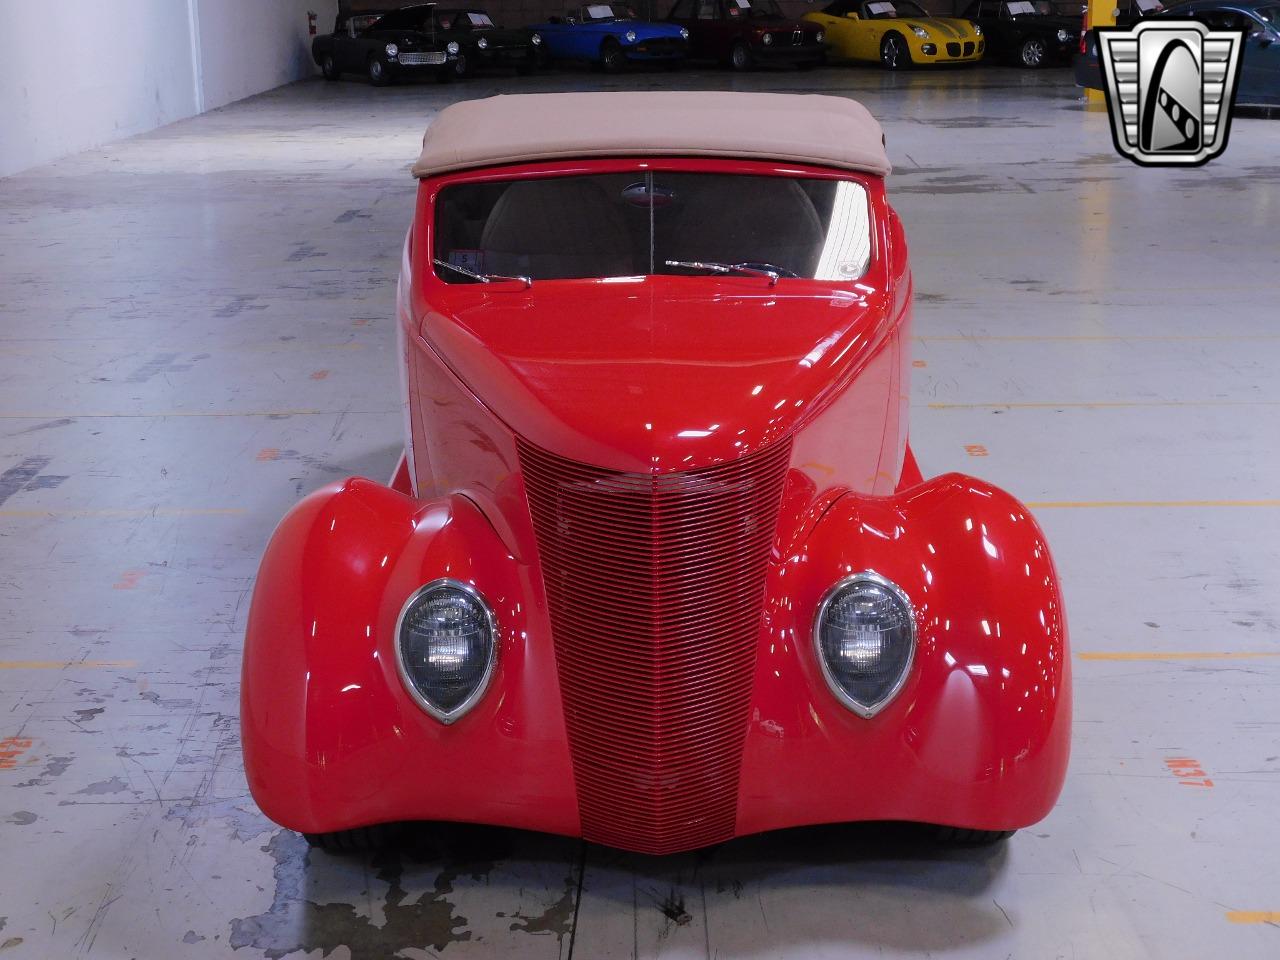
x: 1063, y: 36
x: 920, y: 32
x: 865, y: 635
x: 535, y: 39
x: 452, y: 48
x: 819, y: 36
x: 684, y: 33
x: 767, y: 39
x: 446, y: 644
x: 392, y: 50
x: 977, y: 29
x: 629, y: 36
x: 482, y: 43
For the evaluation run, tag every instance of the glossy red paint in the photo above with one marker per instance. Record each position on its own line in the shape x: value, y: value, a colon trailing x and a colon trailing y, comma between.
x: 656, y: 377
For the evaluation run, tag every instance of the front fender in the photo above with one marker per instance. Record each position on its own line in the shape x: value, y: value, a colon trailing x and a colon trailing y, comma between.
x: 331, y: 738
x: 978, y: 737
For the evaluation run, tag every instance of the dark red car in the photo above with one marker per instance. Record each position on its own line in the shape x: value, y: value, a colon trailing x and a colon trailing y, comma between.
x: 657, y: 568
x: 744, y: 33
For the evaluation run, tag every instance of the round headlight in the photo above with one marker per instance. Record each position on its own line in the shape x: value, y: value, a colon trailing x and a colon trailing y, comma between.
x: 446, y: 645
x: 767, y: 39
x: 482, y: 43
x: 1063, y: 36
x: 629, y: 36
x: 392, y: 50
x: 865, y: 635
x: 920, y: 32
x: 535, y: 39
x: 819, y: 37
x: 684, y: 33
x: 452, y: 48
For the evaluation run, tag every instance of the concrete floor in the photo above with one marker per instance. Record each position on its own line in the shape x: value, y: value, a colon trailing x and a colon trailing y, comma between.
x: 196, y: 329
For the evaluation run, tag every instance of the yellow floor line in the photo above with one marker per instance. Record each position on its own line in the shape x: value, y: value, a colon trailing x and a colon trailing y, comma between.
x: 1253, y: 916
x: 1181, y: 655
x: 146, y: 512
x: 62, y: 664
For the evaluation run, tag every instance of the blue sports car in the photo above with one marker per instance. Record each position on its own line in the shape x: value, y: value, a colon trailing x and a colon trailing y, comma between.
x: 610, y: 35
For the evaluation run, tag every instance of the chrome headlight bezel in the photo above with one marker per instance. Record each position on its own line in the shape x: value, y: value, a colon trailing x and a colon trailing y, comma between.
x: 392, y: 51
x: 1064, y: 36
x: 819, y: 37
x: 536, y: 39
x: 452, y: 48
x: 491, y: 661
x: 866, y: 711
x: 482, y: 44
x: 767, y: 39
x: 629, y: 36
x: 684, y: 33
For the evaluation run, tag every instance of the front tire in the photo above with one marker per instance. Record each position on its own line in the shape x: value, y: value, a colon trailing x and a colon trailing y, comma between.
x: 1032, y: 53
x: 611, y: 57
x: 378, y: 73
x: 960, y: 837
x: 894, y: 54
x: 740, y: 58
x: 329, y: 67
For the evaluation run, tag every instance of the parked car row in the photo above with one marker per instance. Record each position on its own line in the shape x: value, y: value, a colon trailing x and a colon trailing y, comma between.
x: 453, y: 43
x: 1258, y: 20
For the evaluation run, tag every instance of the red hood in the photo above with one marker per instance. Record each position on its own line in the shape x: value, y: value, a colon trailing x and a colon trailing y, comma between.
x: 661, y: 373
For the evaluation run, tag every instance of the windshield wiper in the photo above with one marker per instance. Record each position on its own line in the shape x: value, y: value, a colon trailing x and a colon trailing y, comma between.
x: 482, y: 277
x: 746, y: 268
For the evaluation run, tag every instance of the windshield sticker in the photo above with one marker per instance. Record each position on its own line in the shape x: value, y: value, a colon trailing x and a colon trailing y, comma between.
x: 479, y: 19
x: 1020, y: 7
x: 879, y: 8
x: 600, y: 11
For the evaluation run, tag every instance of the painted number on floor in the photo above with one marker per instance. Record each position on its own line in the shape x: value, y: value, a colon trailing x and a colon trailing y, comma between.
x: 975, y: 449
x: 11, y: 748
x: 1188, y: 771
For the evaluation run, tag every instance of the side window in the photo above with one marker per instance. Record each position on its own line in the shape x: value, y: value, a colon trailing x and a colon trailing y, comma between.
x: 708, y: 10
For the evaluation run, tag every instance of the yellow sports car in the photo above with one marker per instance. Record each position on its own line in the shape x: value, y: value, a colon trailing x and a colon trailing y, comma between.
x: 898, y: 33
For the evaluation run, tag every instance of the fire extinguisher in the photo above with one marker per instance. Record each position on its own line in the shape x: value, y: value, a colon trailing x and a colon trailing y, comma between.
x: 311, y: 23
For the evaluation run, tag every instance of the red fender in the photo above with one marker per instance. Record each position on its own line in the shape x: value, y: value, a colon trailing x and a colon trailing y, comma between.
x: 331, y: 739
x: 979, y: 736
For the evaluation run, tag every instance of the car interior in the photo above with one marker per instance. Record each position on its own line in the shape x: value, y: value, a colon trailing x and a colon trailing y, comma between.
x: 630, y: 224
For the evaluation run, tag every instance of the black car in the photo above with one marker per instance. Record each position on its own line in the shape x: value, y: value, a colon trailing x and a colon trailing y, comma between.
x: 1259, y: 20
x: 483, y: 44
x: 1019, y: 33
x: 386, y: 47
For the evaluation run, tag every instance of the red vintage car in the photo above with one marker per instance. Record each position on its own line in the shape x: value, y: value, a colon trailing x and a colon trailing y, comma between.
x: 657, y: 568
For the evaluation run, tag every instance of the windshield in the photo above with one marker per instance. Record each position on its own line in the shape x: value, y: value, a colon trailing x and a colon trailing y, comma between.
x: 884, y: 10
x: 754, y: 8
x: 631, y: 224
x: 1020, y: 8
x: 602, y: 11
x: 1269, y: 15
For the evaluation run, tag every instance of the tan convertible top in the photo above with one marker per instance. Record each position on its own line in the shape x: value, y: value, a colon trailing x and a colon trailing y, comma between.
x: 526, y: 128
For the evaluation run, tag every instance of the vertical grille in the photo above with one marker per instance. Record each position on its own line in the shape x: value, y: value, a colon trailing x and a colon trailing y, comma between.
x: 655, y: 585
x: 953, y: 49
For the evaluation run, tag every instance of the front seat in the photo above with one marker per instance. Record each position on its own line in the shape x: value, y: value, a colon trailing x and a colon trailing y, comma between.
x: 746, y: 220
x: 556, y: 229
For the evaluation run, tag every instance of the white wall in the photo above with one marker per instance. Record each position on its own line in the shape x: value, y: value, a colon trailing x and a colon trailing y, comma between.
x: 78, y: 73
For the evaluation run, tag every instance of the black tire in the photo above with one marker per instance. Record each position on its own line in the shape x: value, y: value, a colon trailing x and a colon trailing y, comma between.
x: 356, y: 840
x: 740, y: 57
x: 329, y: 67
x: 377, y: 72
x: 894, y: 52
x: 612, y: 59
x: 960, y: 837
x: 1032, y: 53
